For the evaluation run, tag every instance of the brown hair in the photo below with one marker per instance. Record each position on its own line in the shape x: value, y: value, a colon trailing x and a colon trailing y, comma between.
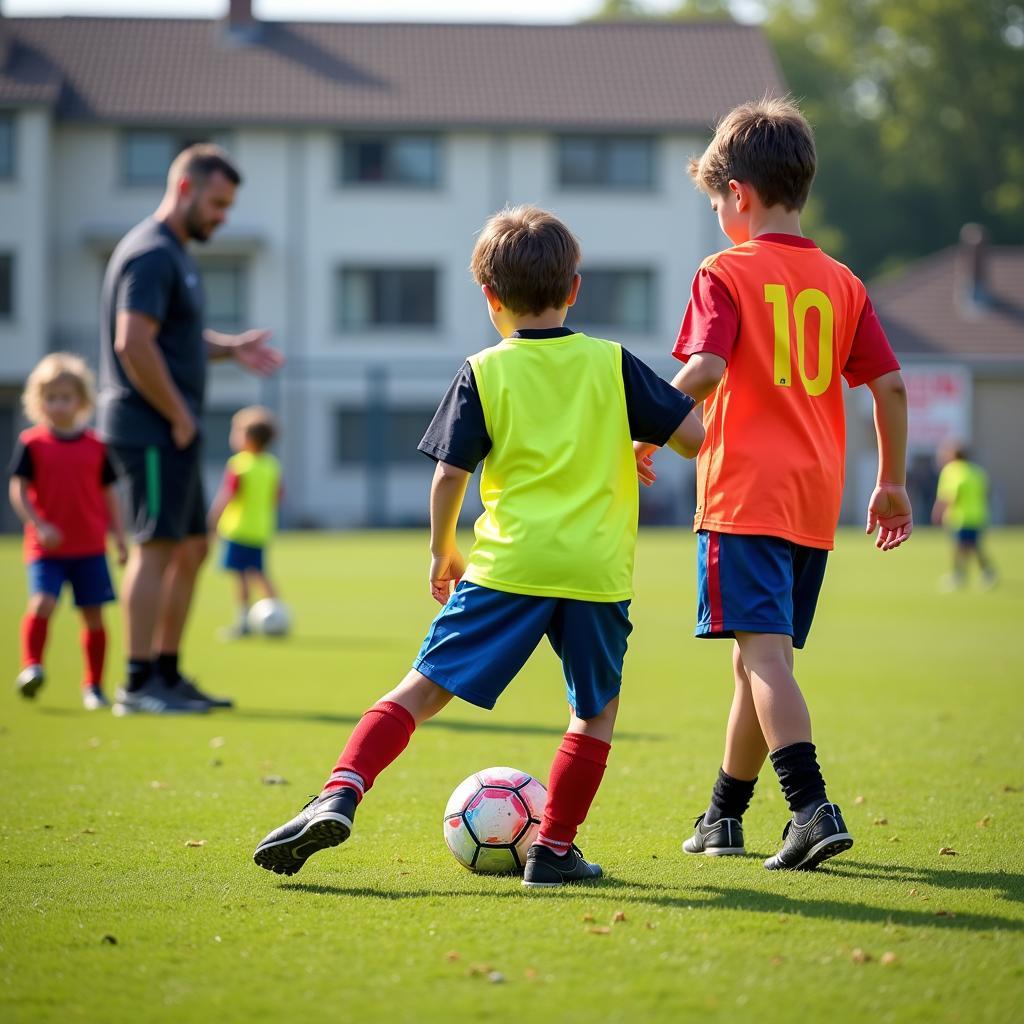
x: 768, y: 145
x: 257, y: 423
x: 528, y: 257
x: 58, y: 367
x: 200, y: 162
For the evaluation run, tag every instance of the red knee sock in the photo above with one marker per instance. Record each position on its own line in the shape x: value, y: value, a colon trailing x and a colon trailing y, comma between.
x: 33, y: 639
x: 94, y: 648
x: 379, y: 737
x: 576, y: 774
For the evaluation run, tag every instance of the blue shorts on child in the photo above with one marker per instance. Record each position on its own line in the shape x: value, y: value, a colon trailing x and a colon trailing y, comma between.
x: 483, y: 637
x: 756, y: 584
x: 89, y: 578
x: 241, y: 557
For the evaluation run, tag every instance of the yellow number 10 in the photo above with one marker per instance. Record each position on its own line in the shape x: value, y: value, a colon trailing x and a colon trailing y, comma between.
x: 809, y: 298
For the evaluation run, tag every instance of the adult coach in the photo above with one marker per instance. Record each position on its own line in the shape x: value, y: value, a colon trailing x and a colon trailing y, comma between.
x: 153, y: 355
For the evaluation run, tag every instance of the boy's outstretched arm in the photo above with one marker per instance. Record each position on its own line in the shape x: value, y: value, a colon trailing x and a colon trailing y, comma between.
x: 447, y: 491
x: 889, y: 508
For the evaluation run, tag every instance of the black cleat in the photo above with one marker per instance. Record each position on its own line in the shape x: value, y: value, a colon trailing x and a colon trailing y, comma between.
x: 325, y: 821
x: 188, y: 689
x: 155, y: 697
x: 805, y: 846
x: 545, y: 869
x: 30, y: 680
x: 722, y: 838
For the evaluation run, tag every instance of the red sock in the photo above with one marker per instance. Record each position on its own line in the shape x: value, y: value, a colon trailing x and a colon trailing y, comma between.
x: 576, y: 772
x: 379, y: 737
x: 33, y: 639
x: 94, y: 647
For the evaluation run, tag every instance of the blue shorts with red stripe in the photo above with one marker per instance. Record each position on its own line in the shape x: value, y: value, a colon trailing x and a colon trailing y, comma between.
x: 756, y: 584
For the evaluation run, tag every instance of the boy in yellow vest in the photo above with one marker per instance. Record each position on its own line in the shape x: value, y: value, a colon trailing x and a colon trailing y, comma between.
x: 961, y: 505
x: 244, y: 512
x: 552, y: 414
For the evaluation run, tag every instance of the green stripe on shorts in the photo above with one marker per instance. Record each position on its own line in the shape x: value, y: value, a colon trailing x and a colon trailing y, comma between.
x: 153, y: 482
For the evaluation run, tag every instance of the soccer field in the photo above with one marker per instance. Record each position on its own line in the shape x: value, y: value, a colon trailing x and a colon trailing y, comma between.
x: 128, y: 891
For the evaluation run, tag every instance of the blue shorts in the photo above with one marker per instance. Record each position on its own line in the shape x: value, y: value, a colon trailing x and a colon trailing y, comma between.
x: 89, y: 578
x: 756, y: 584
x: 240, y: 557
x: 482, y: 638
x: 967, y: 536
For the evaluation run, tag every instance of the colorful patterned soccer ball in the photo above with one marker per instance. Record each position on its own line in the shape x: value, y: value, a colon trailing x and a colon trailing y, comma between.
x: 492, y: 818
x: 269, y: 617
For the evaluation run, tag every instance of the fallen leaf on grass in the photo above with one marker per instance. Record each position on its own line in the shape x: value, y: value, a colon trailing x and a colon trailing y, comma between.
x: 778, y: 961
x: 619, y: 915
x: 858, y: 799
x: 1010, y: 788
x: 888, y: 958
x: 601, y: 929
x: 881, y: 821
x: 88, y: 831
x: 944, y: 913
x: 984, y: 822
x: 274, y: 780
x: 156, y: 784
x: 650, y: 926
x: 913, y: 892
x: 947, y: 851
x: 195, y: 842
x: 476, y: 969
x: 451, y: 956
x: 894, y: 839
x: 587, y: 917
x: 858, y: 956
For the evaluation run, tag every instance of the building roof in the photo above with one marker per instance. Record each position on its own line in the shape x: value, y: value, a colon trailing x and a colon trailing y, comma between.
x: 927, y: 310
x: 627, y: 76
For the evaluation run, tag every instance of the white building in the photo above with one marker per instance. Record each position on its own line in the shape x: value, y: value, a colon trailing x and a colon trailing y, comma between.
x: 372, y: 154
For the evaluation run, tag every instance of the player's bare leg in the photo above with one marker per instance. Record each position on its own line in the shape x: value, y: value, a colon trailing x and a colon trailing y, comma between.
x: 176, y: 596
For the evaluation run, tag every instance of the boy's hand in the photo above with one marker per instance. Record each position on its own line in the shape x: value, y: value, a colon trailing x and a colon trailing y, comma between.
x: 889, y: 511
x: 49, y: 536
x: 445, y: 572
x: 642, y: 453
x: 183, y: 432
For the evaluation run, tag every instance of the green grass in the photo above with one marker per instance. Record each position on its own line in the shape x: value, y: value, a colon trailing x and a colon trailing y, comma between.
x: 916, y: 701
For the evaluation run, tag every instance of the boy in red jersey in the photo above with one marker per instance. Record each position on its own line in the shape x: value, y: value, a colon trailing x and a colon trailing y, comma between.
x: 771, y: 325
x: 62, y: 488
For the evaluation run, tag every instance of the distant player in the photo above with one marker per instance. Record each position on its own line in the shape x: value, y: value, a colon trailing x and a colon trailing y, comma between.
x: 62, y: 488
x: 772, y: 325
x: 550, y: 413
x: 961, y: 505
x: 244, y: 512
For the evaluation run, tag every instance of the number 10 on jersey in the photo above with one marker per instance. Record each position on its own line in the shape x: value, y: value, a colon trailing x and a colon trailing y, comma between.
x: 808, y: 299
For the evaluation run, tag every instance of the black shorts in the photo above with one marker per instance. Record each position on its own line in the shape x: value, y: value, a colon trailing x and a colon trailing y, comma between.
x: 165, y: 491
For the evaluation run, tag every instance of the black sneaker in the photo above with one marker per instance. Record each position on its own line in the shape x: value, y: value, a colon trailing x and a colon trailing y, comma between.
x: 805, y: 846
x: 155, y: 697
x: 325, y: 821
x: 30, y: 680
x: 722, y: 838
x: 545, y: 869
x: 188, y: 688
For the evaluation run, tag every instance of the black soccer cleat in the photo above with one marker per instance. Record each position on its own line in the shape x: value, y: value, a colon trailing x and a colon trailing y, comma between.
x: 805, y: 846
x: 30, y: 680
x: 722, y: 838
x: 545, y: 869
x: 325, y: 821
x: 190, y: 691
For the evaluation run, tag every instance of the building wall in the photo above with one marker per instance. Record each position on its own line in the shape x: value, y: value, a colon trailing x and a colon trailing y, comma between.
x: 998, y: 400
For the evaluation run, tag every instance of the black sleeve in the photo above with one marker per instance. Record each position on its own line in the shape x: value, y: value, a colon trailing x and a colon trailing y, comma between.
x: 21, y: 461
x: 146, y: 284
x: 458, y: 434
x: 108, y: 475
x: 654, y: 407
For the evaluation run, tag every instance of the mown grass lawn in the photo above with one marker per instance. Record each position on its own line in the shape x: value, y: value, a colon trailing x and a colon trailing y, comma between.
x: 108, y: 913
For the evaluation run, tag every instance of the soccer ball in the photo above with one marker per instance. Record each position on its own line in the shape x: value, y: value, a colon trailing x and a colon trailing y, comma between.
x: 269, y: 617
x: 492, y: 818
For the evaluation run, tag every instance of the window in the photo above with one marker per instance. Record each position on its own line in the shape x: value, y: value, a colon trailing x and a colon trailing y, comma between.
x: 370, y: 297
x: 6, y: 285
x: 395, y: 433
x: 146, y: 154
x: 224, y: 288
x: 6, y: 146
x: 625, y: 162
x: 623, y: 299
x: 216, y: 436
x: 409, y: 160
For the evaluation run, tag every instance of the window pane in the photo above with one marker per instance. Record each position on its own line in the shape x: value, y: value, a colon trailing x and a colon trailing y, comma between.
x: 398, y: 433
x: 6, y: 146
x: 224, y: 291
x: 629, y: 162
x: 391, y: 160
x: 387, y: 297
x: 6, y: 285
x: 147, y: 155
x: 606, y: 161
x: 621, y: 299
x: 579, y: 162
x: 414, y: 161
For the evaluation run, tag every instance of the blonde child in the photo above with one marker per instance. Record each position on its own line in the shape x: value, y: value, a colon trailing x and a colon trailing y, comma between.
x: 62, y: 488
x: 244, y: 512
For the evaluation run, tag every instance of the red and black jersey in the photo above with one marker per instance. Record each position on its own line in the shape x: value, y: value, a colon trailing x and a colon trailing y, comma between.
x: 67, y: 478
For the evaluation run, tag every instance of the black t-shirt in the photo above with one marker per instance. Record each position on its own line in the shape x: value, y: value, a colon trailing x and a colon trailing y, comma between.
x: 151, y: 272
x: 458, y: 435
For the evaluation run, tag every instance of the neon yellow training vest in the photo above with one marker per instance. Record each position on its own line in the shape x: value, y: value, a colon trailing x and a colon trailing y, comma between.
x: 250, y: 517
x: 559, y: 486
x: 964, y: 488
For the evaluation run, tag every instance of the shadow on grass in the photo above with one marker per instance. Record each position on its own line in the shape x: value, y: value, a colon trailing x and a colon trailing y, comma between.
x: 721, y: 898
x: 451, y: 725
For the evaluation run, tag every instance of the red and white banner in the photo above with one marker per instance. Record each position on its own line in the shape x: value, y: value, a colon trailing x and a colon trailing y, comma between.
x: 939, y: 405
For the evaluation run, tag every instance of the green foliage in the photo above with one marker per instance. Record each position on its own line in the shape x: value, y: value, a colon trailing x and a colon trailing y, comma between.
x: 106, y: 914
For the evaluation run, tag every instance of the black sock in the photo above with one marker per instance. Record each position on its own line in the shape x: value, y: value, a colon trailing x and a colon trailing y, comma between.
x: 730, y: 797
x: 139, y: 672
x: 800, y: 778
x: 166, y: 666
